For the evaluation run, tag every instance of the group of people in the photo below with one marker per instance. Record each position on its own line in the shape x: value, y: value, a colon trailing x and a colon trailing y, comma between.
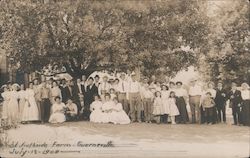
x: 123, y: 100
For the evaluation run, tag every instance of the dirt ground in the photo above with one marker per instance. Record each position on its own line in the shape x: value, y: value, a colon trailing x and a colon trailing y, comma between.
x: 133, y: 140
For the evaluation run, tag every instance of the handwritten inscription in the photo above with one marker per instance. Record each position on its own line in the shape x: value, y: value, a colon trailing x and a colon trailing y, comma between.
x: 23, y: 148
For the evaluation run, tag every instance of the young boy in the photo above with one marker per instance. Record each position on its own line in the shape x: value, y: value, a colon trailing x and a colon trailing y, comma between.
x: 208, y: 105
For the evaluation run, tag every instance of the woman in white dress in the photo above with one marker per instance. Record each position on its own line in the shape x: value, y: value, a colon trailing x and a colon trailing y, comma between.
x: 30, y: 110
x: 55, y: 92
x: 165, y: 107
x: 58, y: 110
x: 157, y: 107
x: 6, y: 99
x: 13, y: 106
x: 97, y: 115
x: 173, y: 110
x: 22, y: 101
x: 107, y: 109
x: 118, y: 115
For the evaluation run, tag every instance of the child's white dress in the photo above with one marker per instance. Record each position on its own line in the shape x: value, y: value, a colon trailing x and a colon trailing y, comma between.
x: 97, y: 115
x: 157, y: 106
x: 173, y: 110
x: 6, y: 99
x: 118, y: 115
x: 165, y: 102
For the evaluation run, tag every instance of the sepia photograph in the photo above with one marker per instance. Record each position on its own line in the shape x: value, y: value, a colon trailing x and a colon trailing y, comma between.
x: 124, y: 78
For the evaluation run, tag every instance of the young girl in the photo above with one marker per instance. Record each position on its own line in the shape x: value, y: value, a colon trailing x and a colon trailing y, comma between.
x: 173, y: 110
x: 6, y: 99
x: 107, y: 108
x: 118, y: 115
x: 96, y: 111
x: 165, y: 107
x: 157, y: 107
x: 22, y: 101
x: 208, y: 106
x: 112, y: 93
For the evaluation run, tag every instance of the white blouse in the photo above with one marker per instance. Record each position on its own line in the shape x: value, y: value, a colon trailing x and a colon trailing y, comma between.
x: 245, y: 94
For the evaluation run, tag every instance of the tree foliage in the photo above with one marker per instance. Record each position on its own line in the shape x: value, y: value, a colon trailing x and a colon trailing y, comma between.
x: 88, y: 35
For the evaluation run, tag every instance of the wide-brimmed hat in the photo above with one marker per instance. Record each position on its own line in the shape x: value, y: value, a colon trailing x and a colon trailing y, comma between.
x: 15, y: 84
x: 3, y: 86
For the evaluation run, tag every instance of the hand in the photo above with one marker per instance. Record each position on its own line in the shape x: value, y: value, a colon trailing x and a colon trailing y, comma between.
x: 239, y: 105
x: 232, y: 97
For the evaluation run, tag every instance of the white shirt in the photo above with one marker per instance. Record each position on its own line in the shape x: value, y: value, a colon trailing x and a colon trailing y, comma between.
x: 147, y: 94
x: 195, y: 90
x: 212, y: 91
x: 245, y: 94
x: 104, y: 86
x: 134, y: 87
x: 122, y: 86
x: 79, y: 87
x: 181, y: 92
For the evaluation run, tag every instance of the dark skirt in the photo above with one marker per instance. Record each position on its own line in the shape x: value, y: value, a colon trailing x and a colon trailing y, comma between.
x: 246, y: 113
x: 181, y: 105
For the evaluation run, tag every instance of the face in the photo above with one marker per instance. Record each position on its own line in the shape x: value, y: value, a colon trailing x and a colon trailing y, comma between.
x: 219, y: 85
x: 35, y: 82
x: 70, y: 101
x: 22, y: 86
x: 172, y: 94
x: 105, y: 79
x: 123, y: 77
x: 91, y: 81
x: 164, y: 88
x: 234, y: 87
x: 54, y: 84
x: 116, y: 81
x: 96, y: 98
x: 210, y: 85
x: 31, y: 85
x: 97, y: 79
x: 133, y: 77
x: 244, y: 86
x: 63, y: 81
x: 153, y: 77
x: 78, y: 80
x: 171, y: 85
x: 5, y: 89
x: 178, y: 85
x: 112, y: 91
x: 208, y: 95
x: 158, y: 94
x: 58, y: 100
x: 84, y: 78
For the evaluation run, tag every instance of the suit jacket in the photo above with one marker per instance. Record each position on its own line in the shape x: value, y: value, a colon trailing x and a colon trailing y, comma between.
x: 235, y: 98
x: 90, y: 93
x: 65, y: 93
x: 77, y: 91
x: 221, y: 97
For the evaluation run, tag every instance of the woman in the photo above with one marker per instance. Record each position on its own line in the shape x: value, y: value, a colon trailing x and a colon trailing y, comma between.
x: 118, y: 115
x: 55, y: 92
x: 22, y: 100
x: 96, y: 115
x: 107, y: 109
x: 30, y: 110
x: 245, y: 93
x: 6, y: 99
x: 13, y: 106
x: 181, y: 102
x: 211, y: 90
x: 58, y: 110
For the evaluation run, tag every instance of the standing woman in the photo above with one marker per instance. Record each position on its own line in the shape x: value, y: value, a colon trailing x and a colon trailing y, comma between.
x: 30, y: 110
x: 245, y: 93
x: 210, y: 89
x: 13, y: 106
x: 181, y: 102
x: 37, y: 90
x: 55, y: 92
x: 6, y: 98
x: 22, y: 100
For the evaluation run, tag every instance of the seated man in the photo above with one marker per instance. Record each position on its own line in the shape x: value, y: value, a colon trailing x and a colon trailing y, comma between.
x: 71, y: 110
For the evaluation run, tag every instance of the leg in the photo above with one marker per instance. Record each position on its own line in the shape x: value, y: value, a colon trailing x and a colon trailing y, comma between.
x: 132, y: 110
x: 219, y: 110
x: 138, y: 108
x: 223, y: 109
x: 173, y: 119
x: 234, y: 115
x: 192, y: 108
x: 42, y: 111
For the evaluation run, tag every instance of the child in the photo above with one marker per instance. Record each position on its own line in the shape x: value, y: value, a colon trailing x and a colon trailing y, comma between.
x: 165, y: 97
x: 96, y: 110
x: 107, y: 108
x: 147, y: 100
x: 173, y: 110
x: 157, y: 111
x: 118, y: 115
x: 208, y: 106
x: 112, y: 93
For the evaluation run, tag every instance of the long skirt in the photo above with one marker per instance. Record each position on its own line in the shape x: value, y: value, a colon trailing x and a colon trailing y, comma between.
x: 181, y: 105
x: 246, y: 113
x: 13, y: 111
x: 22, y: 102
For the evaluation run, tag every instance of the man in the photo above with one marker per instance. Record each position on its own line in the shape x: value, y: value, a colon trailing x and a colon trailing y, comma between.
x: 134, y: 99
x: 104, y: 87
x: 92, y: 90
x: 45, y: 102
x: 235, y: 103
x: 122, y: 89
x: 64, y: 91
x: 84, y: 82
x: 220, y: 102
x: 79, y: 90
x: 97, y: 80
x: 195, y: 92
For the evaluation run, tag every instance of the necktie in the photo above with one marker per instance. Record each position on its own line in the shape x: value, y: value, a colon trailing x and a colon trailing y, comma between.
x: 122, y: 87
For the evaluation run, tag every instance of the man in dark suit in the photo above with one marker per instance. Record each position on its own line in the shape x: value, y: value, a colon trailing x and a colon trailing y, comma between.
x: 235, y: 103
x: 91, y: 91
x: 79, y: 91
x: 64, y: 91
x: 220, y: 102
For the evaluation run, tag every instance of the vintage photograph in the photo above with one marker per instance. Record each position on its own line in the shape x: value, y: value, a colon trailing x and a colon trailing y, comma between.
x: 124, y: 78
